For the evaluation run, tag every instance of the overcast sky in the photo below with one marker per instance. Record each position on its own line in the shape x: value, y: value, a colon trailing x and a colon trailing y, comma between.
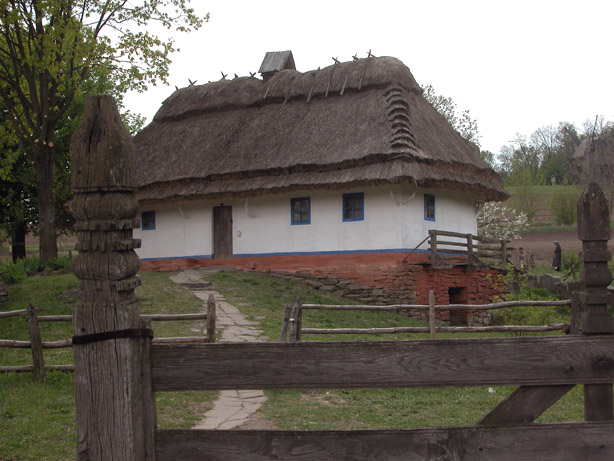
x: 516, y: 66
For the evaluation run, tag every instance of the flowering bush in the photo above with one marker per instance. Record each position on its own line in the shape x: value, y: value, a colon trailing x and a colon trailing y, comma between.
x: 498, y: 221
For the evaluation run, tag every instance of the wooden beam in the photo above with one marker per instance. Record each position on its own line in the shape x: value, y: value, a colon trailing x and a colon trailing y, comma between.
x: 556, y: 442
x: 525, y: 405
x: 457, y: 362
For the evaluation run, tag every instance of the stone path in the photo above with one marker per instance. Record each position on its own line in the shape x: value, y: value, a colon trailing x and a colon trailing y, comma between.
x: 232, y: 408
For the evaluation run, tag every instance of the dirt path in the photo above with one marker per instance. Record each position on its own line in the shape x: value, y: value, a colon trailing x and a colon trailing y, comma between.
x: 541, y: 244
x: 236, y: 408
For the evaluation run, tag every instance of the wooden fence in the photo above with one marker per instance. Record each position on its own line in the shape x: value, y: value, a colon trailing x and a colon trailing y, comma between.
x: 118, y: 369
x: 37, y: 344
x: 467, y: 248
x: 292, y: 325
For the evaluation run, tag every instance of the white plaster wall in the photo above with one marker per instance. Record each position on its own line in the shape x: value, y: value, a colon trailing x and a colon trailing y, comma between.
x: 262, y: 225
x: 182, y: 229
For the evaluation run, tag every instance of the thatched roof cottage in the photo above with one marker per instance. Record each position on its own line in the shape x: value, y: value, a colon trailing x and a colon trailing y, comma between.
x: 334, y: 166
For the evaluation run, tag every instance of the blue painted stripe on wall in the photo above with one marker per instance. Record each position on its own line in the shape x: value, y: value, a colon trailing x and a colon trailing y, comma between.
x: 305, y: 253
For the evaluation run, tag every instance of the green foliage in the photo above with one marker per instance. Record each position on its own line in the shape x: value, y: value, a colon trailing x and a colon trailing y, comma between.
x: 525, y: 181
x: 461, y: 121
x: 17, y: 272
x: 50, y: 52
x: 563, y: 206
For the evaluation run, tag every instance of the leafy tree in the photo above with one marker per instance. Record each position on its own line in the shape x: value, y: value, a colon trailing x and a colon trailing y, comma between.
x: 49, y: 48
x: 461, y: 121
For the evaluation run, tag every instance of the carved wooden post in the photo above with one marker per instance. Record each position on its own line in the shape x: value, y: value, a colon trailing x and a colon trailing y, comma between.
x: 114, y: 400
x: 594, y: 231
x: 211, y: 314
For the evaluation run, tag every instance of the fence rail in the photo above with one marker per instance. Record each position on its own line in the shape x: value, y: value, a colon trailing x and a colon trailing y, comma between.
x: 37, y: 345
x: 292, y: 322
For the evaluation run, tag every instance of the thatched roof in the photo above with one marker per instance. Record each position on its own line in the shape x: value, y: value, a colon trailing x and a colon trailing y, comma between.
x: 348, y: 125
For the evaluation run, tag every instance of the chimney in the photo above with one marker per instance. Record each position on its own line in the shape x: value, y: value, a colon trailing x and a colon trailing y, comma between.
x: 274, y: 61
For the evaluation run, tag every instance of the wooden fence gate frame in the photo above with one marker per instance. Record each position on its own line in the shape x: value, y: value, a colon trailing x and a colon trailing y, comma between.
x: 117, y: 369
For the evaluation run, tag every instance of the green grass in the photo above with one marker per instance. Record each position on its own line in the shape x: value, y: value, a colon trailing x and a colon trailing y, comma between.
x: 262, y: 298
x: 37, y: 419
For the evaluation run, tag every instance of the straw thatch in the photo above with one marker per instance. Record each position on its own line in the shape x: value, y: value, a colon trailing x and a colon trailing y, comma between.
x: 348, y: 125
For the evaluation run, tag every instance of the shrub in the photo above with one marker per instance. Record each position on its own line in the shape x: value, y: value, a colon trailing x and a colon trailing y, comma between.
x: 570, y: 261
x: 32, y: 265
x: 563, y: 206
x: 12, y: 273
x: 61, y: 262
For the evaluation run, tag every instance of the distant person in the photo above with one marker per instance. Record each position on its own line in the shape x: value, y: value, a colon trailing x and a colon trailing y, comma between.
x: 556, y: 263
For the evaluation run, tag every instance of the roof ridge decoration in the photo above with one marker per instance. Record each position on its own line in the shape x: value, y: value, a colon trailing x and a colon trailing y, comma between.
x: 402, y: 139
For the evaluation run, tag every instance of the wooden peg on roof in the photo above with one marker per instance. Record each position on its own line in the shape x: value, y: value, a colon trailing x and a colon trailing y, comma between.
x: 192, y: 83
x: 336, y: 60
x: 223, y: 75
x: 252, y: 74
x: 355, y: 57
x: 369, y: 54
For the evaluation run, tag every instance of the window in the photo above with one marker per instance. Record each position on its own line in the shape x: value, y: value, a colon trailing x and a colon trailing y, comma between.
x: 429, y: 207
x: 300, y: 210
x: 148, y: 220
x: 353, y: 207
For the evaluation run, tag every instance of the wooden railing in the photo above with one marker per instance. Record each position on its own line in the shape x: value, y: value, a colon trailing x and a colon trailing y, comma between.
x: 37, y: 344
x: 467, y: 248
x: 292, y: 325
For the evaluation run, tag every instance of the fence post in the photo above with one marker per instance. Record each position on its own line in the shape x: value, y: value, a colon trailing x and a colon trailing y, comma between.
x: 470, y: 248
x: 284, y: 325
x: 115, y: 408
x: 211, y: 313
x: 36, y: 342
x: 295, y: 320
x: 594, y: 231
x: 504, y: 252
x: 433, y: 235
x: 432, y: 314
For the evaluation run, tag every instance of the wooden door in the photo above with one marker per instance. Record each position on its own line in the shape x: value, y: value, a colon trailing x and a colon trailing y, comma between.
x: 222, y: 232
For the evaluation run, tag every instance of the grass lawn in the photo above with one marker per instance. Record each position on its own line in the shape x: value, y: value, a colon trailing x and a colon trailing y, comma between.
x: 37, y: 419
x: 262, y: 298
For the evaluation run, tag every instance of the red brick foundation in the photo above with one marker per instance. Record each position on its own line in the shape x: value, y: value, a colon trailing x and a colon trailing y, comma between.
x: 371, y: 278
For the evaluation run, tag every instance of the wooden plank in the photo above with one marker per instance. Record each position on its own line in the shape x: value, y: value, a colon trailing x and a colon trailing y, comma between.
x: 457, y: 362
x: 546, y: 442
x: 598, y: 404
x: 525, y: 404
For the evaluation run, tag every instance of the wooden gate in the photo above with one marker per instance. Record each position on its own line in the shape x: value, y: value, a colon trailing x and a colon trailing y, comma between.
x: 222, y: 232
x: 118, y: 370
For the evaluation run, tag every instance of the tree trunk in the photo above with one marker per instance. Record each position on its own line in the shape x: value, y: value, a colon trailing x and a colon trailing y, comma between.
x: 18, y: 241
x: 46, y: 202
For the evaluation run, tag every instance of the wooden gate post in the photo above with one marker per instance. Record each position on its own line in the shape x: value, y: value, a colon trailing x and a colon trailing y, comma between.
x: 114, y: 401
x: 594, y: 231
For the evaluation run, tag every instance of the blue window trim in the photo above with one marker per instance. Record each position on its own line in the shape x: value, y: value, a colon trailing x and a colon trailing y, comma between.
x: 147, y: 216
x: 361, y: 195
x: 429, y: 207
x: 292, y: 202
